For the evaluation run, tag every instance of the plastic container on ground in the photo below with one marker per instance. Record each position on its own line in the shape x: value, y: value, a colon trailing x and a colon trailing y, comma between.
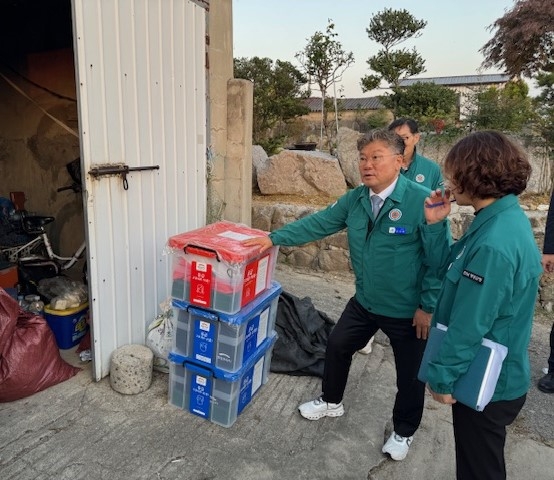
x: 211, y: 268
x: 214, y: 394
x: 36, y: 305
x: 69, y: 326
x: 221, y: 340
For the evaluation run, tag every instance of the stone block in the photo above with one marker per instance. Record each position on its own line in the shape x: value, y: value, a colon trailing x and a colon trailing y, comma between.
x: 131, y: 369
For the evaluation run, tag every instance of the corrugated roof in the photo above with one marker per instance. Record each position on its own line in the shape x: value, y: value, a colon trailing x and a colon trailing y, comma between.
x: 367, y: 103
x: 458, y: 81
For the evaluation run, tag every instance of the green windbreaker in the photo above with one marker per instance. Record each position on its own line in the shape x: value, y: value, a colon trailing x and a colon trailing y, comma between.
x: 489, y: 291
x: 387, y: 253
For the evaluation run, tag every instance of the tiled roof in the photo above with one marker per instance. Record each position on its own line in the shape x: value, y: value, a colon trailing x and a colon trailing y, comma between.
x: 461, y: 80
x: 367, y: 103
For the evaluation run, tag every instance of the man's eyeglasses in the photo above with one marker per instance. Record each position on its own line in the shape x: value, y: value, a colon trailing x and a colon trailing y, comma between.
x: 376, y: 159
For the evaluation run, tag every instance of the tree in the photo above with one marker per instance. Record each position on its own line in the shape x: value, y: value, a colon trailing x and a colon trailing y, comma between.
x: 544, y: 105
x: 508, y: 109
x: 426, y: 102
x: 324, y: 61
x: 278, y: 95
x: 523, y: 42
x: 390, y: 28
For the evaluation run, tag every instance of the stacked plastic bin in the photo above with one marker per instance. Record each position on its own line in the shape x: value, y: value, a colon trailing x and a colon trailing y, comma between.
x: 225, y: 304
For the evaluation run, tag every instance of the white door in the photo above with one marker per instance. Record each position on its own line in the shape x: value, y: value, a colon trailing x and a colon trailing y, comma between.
x: 141, y: 83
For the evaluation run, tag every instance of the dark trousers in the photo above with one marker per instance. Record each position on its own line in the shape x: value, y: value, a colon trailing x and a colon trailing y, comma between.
x: 351, y: 333
x: 480, y: 438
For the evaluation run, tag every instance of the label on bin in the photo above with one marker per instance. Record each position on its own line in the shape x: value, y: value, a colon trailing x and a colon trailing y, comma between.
x: 80, y: 328
x: 201, y: 284
x: 251, y: 338
x: 204, y: 341
x: 201, y: 389
x: 256, y: 333
x: 255, y: 279
x: 250, y: 384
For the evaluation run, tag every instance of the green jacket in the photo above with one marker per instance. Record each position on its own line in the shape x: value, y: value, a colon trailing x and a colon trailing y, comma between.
x: 489, y: 291
x: 425, y: 172
x: 387, y: 254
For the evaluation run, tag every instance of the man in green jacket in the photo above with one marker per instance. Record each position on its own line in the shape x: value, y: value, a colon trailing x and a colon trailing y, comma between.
x: 416, y: 167
x: 395, y: 290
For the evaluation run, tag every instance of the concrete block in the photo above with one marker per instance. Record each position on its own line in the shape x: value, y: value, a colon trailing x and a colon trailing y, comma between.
x: 131, y: 369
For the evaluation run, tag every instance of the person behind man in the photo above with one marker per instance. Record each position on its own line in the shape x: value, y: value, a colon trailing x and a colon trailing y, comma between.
x: 546, y: 383
x: 490, y: 290
x: 415, y: 167
x: 395, y: 292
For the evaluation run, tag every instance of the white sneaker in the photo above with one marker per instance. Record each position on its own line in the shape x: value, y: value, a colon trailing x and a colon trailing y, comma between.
x: 368, y: 348
x: 397, y: 446
x: 318, y: 408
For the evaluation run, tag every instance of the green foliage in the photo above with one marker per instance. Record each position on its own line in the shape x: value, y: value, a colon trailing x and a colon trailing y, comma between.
x: 394, y: 65
x: 508, y: 109
x: 544, y: 106
x: 425, y: 102
x: 324, y: 61
x: 378, y: 119
x: 273, y: 144
x: 278, y: 94
x: 389, y: 28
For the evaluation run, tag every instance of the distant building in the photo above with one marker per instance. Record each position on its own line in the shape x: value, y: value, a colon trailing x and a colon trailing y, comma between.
x: 465, y: 85
x: 353, y: 112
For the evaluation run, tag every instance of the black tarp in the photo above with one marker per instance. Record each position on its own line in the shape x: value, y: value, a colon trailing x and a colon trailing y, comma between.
x: 303, y: 332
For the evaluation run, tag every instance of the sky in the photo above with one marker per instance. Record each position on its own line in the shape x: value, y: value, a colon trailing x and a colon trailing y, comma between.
x: 449, y: 44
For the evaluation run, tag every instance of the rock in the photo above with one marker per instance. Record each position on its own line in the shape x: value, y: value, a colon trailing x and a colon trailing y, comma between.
x: 347, y: 153
x: 297, y: 172
x: 259, y: 159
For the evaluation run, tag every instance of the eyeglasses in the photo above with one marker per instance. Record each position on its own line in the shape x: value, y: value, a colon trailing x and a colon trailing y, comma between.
x: 376, y: 159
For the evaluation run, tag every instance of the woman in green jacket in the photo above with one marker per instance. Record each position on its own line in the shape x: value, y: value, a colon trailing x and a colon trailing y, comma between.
x: 489, y: 291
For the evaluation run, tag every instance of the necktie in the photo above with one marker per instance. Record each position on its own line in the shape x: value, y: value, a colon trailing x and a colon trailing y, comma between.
x: 375, y: 205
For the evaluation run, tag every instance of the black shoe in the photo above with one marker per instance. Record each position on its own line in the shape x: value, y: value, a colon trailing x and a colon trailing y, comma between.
x: 546, y: 383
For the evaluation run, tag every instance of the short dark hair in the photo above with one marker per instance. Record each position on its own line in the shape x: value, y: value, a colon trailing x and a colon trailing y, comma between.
x: 412, y: 124
x: 392, y: 139
x: 487, y: 164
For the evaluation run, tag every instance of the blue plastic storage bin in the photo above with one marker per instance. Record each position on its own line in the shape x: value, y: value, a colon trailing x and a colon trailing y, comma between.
x: 215, y: 394
x: 222, y: 340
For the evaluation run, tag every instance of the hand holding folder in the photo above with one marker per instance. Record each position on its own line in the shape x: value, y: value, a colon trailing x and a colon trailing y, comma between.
x: 474, y: 388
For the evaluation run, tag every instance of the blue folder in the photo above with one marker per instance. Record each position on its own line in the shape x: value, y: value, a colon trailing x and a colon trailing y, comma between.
x: 474, y: 388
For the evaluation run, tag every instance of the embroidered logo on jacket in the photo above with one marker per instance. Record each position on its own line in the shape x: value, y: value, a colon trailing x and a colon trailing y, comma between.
x: 420, y: 178
x: 473, y: 276
x: 395, y: 214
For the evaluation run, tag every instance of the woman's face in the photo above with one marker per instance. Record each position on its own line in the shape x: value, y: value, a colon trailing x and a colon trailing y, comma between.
x: 462, y: 198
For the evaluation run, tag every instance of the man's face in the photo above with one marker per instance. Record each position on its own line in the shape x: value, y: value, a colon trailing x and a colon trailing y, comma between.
x: 379, y: 165
x: 410, y: 140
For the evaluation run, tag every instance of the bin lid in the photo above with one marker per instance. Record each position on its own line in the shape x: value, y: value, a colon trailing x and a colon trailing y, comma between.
x: 221, y: 240
x: 216, y: 372
x: 67, y: 311
x: 238, y: 318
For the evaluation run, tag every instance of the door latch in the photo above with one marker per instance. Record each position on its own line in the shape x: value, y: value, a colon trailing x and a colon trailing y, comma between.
x: 118, y: 169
